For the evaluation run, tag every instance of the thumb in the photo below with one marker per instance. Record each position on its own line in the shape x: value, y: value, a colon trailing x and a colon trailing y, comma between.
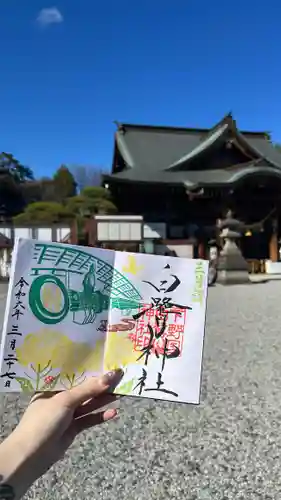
x: 92, y: 388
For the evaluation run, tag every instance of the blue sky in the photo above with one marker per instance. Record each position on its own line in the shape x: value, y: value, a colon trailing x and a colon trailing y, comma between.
x: 184, y: 63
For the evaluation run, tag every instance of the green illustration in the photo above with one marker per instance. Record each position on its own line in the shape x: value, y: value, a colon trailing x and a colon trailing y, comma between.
x: 25, y: 384
x: 126, y: 388
x: 51, y: 297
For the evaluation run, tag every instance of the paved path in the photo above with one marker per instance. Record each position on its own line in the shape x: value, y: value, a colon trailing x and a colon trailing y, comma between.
x: 3, y: 289
x: 227, y: 448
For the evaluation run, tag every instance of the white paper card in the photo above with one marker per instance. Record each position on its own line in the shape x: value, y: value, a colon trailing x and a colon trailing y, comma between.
x: 74, y: 312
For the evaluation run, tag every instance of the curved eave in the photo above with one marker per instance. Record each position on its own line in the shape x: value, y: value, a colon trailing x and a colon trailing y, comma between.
x: 253, y: 171
x: 205, y: 144
x: 236, y: 177
x: 122, y: 147
x: 111, y: 179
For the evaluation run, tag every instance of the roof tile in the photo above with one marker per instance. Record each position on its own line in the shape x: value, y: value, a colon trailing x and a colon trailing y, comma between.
x: 149, y: 151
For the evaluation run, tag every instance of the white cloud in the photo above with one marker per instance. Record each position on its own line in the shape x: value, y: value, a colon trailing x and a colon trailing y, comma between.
x: 49, y: 16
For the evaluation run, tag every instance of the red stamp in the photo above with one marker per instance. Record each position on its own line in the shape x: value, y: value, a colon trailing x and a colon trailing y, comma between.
x: 152, y: 320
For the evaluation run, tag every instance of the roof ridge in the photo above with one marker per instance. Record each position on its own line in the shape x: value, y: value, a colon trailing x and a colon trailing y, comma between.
x: 165, y: 128
x: 172, y: 128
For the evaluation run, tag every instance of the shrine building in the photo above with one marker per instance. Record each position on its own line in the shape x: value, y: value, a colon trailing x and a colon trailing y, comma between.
x: 183, y: 180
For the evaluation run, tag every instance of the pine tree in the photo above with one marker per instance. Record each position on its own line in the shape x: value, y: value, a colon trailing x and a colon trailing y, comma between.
x: 64, y: 184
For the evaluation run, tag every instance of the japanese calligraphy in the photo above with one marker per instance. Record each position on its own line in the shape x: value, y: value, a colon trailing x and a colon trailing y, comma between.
x: 14, y: 331
x: 157, y: 331
x: 19, y: 306
x: 159, y: 387
x: 198, y: 292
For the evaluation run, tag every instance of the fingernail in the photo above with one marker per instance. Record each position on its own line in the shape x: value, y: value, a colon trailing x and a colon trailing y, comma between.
x: 113, y: 378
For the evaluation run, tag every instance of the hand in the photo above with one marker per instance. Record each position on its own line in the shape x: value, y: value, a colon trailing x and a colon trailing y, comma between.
x: 49, y: 426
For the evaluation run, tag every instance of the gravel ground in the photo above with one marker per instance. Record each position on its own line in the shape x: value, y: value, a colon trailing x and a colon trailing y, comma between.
x: 228, y: 447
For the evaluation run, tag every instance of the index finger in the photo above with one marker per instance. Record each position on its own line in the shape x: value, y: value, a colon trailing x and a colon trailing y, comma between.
x: 92, y: 388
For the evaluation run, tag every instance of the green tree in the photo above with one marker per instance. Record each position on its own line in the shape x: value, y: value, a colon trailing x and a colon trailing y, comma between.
x: 96, y: 192
x: 92, y: 200
x: 13, y: 175
x: 11, y: 198
x: 44, y: 212
x: 31, y: 191
x: 64, y: 184
x: 19, y: 172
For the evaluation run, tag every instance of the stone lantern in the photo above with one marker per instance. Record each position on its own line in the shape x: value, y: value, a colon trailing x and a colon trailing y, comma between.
x: 232, y: 267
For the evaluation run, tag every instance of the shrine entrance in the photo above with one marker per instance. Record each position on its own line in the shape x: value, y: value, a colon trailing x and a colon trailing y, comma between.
x: 255, y: 245
x: 256, y: 201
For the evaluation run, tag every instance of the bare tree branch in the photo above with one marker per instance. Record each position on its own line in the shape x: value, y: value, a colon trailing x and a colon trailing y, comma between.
x: 87, y: 175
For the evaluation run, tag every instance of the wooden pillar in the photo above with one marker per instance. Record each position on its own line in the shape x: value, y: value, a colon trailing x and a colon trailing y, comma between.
x: 74, y: 233
x: 92, y: 232
x: 201, y: 251
x: 273, y: 244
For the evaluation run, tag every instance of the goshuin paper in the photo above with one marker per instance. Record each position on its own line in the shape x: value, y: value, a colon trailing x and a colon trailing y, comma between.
x: 74, y: 312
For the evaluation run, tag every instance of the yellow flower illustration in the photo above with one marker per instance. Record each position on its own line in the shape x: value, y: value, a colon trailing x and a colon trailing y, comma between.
x: 119, y: 351
x: 45, y: 347
x: 47, y: 350
x: 82, y: 357
x: 132, y: 266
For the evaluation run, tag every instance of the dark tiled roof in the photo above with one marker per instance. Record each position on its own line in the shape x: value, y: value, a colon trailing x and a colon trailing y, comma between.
x: 266, y: 150
x: 155, y: 149
x: 150, y: 152
x: 196, y: 178
x: 202, y: 146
